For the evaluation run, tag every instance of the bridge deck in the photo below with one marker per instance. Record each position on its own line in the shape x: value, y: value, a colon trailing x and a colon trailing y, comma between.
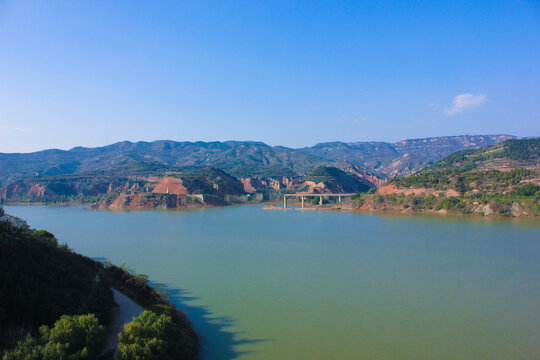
x: 312, y: 194
x: 321, y: 196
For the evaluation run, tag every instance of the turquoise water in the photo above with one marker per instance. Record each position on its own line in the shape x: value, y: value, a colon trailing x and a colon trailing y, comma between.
x: 307, y: 285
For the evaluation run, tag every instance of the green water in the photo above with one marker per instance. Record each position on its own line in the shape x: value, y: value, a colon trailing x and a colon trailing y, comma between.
x: 307, y: 285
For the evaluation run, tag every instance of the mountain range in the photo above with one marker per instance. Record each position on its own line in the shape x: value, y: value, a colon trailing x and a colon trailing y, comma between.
x: 168, y: 174
x: 401, y: 158
x: 243, y: 158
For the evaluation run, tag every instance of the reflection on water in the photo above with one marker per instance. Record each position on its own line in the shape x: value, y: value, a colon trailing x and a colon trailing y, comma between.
x: 303, y: 284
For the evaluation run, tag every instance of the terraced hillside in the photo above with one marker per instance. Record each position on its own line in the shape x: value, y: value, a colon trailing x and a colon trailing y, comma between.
x: 511, y: 154
x: 502, y: 179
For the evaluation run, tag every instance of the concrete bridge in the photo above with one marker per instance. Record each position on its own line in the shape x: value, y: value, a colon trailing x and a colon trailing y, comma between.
x: 302, y: 196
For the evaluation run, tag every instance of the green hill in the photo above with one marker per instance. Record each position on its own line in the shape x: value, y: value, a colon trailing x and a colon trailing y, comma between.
x: 237, y: 158
x: 502, y: 179
x: 511, y: 154
x: 492, y: 170
x: 134, y: 177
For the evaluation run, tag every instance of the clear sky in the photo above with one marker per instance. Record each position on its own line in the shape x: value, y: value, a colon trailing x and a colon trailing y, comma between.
x: 290, y: 73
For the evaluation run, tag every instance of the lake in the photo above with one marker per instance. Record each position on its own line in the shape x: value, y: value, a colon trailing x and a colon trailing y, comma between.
x: 320, y: 285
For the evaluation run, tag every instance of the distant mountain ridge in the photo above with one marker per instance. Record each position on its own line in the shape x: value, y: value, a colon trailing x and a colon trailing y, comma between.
x: 236, y: 157
x: 243, y: 158
x: 402, y: 158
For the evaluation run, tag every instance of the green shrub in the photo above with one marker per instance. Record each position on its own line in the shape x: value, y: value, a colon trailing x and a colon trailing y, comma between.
x: 527, y: 190
x: 151, y: 337
x: 449, y: 204
x: 78, y: 337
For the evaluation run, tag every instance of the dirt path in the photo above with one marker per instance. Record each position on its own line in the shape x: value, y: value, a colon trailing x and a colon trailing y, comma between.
x: 124, y: 313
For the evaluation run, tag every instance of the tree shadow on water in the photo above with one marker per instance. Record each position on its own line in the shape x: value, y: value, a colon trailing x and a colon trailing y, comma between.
x: 217, y: 340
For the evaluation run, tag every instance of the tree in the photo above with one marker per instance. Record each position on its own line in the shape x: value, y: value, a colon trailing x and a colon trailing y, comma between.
x: 527, y: 190
x: 78, y: 337
x: 28, y: 349
x: 151, y: 337
x: 461, y: 186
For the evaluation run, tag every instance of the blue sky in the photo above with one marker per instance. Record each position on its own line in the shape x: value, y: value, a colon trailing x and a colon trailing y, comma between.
x: 290, y: 73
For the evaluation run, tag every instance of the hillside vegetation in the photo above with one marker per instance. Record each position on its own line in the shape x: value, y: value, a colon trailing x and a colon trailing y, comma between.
x: 510, y: 154
x: 241, y: 159
x: 55, y: 304
x: 503, y: 179
x: 41, y: 280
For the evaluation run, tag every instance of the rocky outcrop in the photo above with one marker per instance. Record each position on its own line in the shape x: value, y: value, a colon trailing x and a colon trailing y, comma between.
x: 11, y: 190
x: 364, y: 176
x: 312, y: 187
x: 28, y: 190
x: 153, y: 201
x: 170, y: 185
x: 254, y: 184
x: 127, y: 192
x: 251, y: 185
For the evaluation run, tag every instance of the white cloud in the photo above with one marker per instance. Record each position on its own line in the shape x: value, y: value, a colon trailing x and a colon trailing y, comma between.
x: 7, y: 130
x: 463, y: 102
x: 434, y: 106
x: 346, y: 119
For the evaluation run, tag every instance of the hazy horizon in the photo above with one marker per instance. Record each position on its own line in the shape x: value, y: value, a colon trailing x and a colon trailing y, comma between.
x: 290, y: 73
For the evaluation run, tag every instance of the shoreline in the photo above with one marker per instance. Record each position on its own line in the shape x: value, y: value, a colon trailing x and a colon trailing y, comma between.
x: 433, y: 213
x: 272, y: 205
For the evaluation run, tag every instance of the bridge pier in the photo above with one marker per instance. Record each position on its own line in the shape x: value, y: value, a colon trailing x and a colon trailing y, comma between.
x: 303, y: 197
